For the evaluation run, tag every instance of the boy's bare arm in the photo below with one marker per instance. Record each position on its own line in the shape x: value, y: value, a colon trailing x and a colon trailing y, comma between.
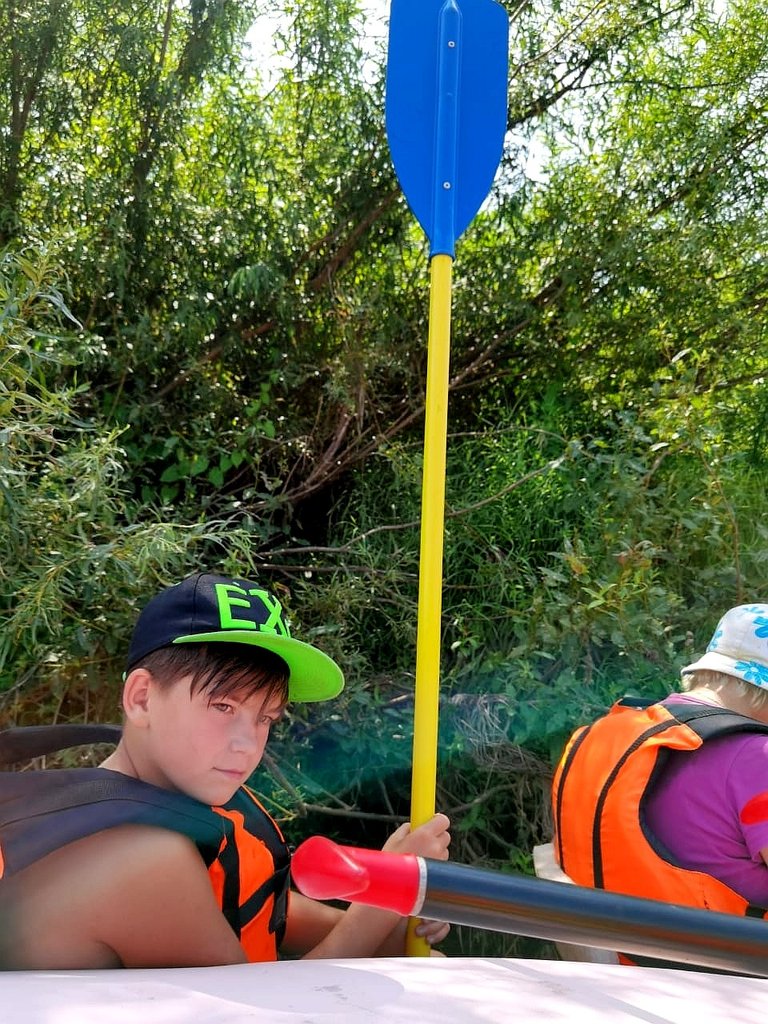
x: 132, y: 896
x: 164, y: 913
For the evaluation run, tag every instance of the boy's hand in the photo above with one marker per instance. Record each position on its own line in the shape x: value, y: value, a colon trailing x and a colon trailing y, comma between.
x: 428, y: 840
x: 432, y: 840
x: 432, y: 931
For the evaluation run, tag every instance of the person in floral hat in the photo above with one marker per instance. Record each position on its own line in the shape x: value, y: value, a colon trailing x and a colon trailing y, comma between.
x: 669, y: 800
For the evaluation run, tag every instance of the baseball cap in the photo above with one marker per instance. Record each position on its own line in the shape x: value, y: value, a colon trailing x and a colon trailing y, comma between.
x: 739, y: 646
x: 205, y: 608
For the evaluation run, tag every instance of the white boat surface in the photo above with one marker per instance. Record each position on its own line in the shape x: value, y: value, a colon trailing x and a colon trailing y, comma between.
x: 419, y: 990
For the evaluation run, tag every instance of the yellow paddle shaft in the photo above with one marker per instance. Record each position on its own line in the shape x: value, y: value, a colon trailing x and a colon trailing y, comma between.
x: 424, y: 777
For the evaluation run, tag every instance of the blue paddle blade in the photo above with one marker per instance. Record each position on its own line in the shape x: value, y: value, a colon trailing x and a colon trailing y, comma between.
x: 446, y: 108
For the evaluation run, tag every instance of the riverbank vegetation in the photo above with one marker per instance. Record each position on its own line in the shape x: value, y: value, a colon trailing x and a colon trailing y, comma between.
x: 213, y: 313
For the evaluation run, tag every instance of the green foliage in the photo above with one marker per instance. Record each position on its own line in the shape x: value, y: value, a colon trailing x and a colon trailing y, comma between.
x: 77, y: 554
x: 214, y: 312
x: 573, y: 571
x: 62, y: 535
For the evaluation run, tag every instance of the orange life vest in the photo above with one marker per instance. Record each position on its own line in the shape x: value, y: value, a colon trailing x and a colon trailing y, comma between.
x: 599, y: 790
x: 247, y: 858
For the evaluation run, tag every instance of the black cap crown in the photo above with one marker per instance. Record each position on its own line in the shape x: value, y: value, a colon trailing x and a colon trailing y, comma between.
x: 205, y: 608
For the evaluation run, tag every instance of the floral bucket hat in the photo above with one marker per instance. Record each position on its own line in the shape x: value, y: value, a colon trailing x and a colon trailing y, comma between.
x: 739, y: 646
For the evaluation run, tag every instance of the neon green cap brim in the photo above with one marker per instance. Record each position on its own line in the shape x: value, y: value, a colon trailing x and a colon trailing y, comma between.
x: 313, y: 675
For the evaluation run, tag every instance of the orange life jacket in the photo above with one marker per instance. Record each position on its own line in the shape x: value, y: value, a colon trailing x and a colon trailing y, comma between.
x: 605, y: 774
x: 247, y: 858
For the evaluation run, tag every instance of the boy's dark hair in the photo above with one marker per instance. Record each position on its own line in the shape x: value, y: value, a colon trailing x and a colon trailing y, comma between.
x: 220, y: 669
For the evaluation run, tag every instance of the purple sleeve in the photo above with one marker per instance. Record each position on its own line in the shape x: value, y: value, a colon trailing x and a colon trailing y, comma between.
x: 748, y: 786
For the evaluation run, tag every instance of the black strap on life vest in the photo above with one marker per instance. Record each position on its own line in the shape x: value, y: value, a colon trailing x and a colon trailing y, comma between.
x: 42, y: 811
x: 711, y: 722
x: 240, y: 911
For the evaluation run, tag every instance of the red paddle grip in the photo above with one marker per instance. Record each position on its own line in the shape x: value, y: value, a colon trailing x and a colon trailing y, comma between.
x: 323, y: 870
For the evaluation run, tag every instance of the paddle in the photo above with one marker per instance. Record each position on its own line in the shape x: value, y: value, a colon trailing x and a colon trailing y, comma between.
x: 521, y: 905
x: 446, y: 103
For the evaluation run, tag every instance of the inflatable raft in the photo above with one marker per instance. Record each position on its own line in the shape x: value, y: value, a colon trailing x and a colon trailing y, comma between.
x: 417, y: 990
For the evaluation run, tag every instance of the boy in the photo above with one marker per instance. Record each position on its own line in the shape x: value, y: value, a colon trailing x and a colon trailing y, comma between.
x: 162, y: 857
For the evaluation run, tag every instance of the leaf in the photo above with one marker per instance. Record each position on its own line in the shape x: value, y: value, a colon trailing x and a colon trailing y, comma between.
x: 171, y: 474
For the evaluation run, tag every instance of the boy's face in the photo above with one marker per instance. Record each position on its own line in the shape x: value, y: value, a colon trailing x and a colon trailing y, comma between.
x: 206, y: 748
